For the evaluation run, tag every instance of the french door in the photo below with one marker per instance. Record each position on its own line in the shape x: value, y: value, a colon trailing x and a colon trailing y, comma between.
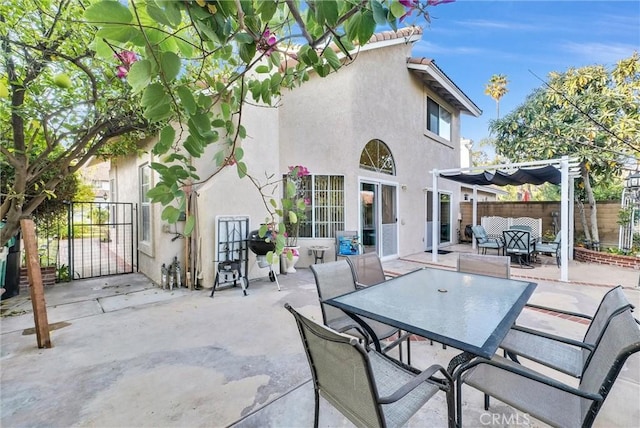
x: 379, y: 217
x: 444, y: 220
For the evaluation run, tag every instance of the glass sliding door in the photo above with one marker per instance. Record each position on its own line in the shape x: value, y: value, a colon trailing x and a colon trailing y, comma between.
x: 443, y: 220
x: 378, y: 218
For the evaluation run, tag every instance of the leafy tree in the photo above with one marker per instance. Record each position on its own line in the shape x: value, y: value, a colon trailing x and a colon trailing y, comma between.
x: 59, y: 104
x: 589, y: 113
x: 199, y: 62
x: 496, y: 89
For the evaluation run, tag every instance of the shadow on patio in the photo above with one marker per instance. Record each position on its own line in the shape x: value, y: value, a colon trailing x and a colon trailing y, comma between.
x: 129, y: 354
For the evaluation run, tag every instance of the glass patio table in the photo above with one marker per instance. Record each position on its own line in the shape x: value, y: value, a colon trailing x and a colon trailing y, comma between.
x: 469, y: 312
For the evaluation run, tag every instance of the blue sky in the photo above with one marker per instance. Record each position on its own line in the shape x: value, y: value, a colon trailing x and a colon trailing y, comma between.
x: 471, y: 40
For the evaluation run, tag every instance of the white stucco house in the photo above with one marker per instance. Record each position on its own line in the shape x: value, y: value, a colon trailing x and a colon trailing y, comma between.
x: 369, y: 134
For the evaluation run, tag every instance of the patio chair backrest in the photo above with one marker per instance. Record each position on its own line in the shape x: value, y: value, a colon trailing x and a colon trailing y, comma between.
x: 521, y: 227
x: 621, y: 339
x: 367, y: 269
x: 497, y: 266
x: 480, y: 234
x: 612, y: 302
x: 332, y: 279
x: 340, y: 371
x: 517, y: 241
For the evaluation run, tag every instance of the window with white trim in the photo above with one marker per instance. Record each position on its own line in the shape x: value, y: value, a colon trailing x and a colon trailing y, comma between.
x: 377, y: 157
x: 438, y: 119
x: 325, y: 213
x: 145, y: 203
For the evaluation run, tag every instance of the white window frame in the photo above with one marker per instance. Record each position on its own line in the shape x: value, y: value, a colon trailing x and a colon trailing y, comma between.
x: 444, y: 128
x: 145, y: 243
x: 335, y: 213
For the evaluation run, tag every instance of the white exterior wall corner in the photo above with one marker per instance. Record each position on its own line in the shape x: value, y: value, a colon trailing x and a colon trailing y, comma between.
x: 326, y: 123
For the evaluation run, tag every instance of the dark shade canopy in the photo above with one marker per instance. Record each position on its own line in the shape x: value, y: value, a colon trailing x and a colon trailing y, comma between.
x: 546, y: 174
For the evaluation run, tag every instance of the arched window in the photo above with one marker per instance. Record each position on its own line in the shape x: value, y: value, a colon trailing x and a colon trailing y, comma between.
x: 377, y: 157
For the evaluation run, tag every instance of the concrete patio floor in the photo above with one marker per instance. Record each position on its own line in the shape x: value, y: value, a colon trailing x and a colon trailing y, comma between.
x: 127, y: 354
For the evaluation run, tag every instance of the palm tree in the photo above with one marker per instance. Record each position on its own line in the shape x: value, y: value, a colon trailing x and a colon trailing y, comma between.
x: 496, y: 88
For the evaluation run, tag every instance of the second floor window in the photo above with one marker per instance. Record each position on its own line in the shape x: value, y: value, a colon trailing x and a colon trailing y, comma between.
x: 438, y: 119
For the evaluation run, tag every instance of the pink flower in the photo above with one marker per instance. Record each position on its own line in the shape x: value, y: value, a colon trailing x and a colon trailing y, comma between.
x: 127, y: 58
x: 267, y: 42
x: 121, y: 71
x: 293, y: 251
x: 437, y: 2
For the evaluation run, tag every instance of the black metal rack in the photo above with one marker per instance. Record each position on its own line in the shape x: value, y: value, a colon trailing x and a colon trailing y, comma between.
x: 232, y: 253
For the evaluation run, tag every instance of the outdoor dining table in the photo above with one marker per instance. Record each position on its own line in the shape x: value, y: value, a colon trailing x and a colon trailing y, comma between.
x: 469, y: 312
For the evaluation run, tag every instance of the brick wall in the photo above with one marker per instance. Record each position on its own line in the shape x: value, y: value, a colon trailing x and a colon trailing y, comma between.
x: 584, y: 255
x: 607, y: 216
x: 48, y: 276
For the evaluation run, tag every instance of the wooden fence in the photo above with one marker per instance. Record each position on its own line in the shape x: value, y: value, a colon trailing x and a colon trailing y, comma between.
x: 607, y: 216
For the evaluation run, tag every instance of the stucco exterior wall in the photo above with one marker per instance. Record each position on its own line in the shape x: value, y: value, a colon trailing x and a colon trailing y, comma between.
x: 323, y: 125
x: 327, y: 122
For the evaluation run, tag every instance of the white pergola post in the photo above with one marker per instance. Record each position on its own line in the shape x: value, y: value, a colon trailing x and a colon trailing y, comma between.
x: 435, y: 205
x: 564, y: 219
x: 474, y: 216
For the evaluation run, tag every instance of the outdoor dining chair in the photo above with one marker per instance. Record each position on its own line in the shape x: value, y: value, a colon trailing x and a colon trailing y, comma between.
x: 552, y: 248
x: 518, y: 243
x: 560, y: 353
x: 367, y: 269
x: 367, y: 387
x: 546, y: 398
x: 335, y: 279
x: 347, y: 243
x: 484, y: 241
x: 498, y: 266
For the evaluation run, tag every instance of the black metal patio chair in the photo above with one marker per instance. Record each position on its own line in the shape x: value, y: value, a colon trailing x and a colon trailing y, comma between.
x: 518, y: 243
x: 367, y: 387
x: 546, y: 398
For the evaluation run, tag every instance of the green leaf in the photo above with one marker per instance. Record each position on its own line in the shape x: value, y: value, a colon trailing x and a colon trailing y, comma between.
x: 158, y: 112
x: 379, y: 12
x: 170, y: 64
x: 244, y: 38
x: 139, y: 75
x: 108, y: 11
x: 226, y: 110
x: 247, y: 52
x: 266, y: 9
x: 397, y: 9
x: 193, y: 146
x: 167, y: 135
x: 262, y: 69
x: 326, y: 12
x: 117, y: 33
x: 153, y: 95
x: 157, y: 13
x: 238, y: 153
x: 242, y: 132
x: 170, y: 214
x: 241, y: 167
x: 187, y: 99
x: 188, y: 225
x: 366, y: 28
x: 332, y: 58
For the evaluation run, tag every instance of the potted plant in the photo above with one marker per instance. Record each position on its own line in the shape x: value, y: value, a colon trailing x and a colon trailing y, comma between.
x: 293, y: 212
